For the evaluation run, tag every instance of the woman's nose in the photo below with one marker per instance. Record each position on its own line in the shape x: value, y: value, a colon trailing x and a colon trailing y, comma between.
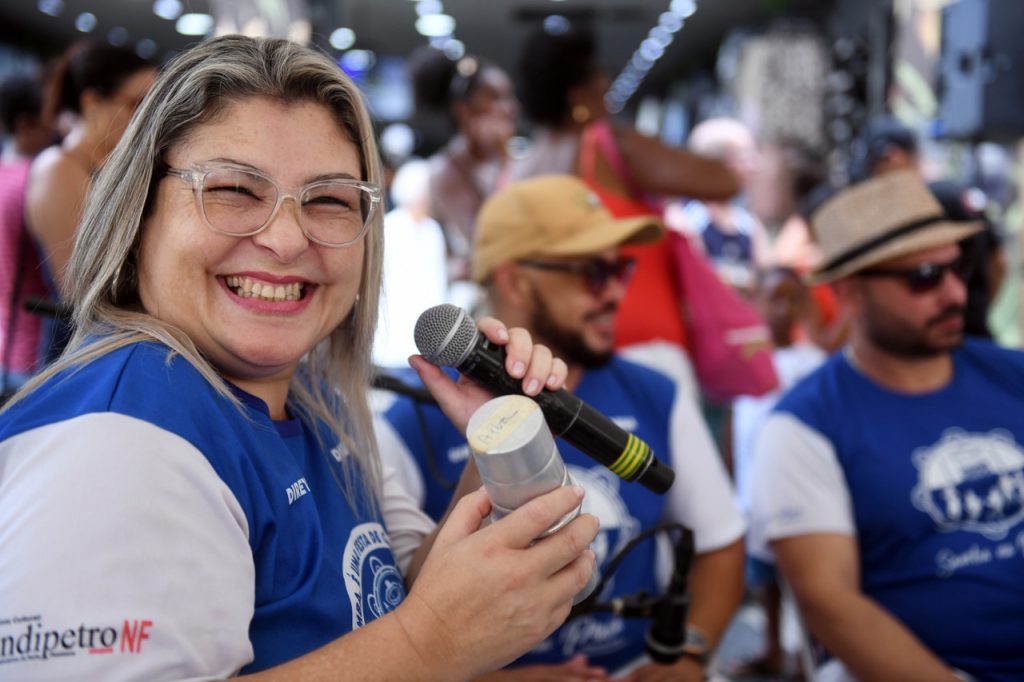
x: 283, y: 234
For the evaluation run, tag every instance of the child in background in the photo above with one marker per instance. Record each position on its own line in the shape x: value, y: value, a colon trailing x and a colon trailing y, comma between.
x: 784, y: 301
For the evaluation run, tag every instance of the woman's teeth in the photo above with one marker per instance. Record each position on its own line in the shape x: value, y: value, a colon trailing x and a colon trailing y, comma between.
x: 246, y: 287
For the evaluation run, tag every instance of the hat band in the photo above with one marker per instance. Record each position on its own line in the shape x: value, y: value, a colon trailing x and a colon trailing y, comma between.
x: 880, y: 240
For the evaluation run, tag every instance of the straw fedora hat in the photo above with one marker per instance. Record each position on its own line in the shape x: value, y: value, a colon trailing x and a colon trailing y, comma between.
x: 882, y: 218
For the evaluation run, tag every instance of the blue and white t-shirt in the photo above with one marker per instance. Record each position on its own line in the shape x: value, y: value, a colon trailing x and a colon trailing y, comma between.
x: 657, y: 409
x: 931, y: 485
x: 149, y: 529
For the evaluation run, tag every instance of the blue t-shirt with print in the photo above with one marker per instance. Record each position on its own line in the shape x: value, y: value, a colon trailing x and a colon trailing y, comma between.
x: 936, y: 482
x: 322, y: 567
x: 639, y: 400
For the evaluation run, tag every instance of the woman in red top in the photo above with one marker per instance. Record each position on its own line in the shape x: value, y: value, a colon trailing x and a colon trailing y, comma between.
x: 628, y: 170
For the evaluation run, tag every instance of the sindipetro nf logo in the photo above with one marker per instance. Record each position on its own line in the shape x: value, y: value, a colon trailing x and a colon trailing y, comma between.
x: 28, y: 638
x: 373, y: 583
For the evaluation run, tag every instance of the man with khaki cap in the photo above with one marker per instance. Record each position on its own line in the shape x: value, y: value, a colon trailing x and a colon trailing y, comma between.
x: 547, y: 252
x: 889, y: 484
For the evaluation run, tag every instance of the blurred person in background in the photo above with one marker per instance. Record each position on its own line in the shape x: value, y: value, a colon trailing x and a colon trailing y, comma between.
x: 562, y: 89
x: 731, y: 237
x: 825, y: 324
x: 783, y: 299
x: 478, y: 98
x: 25, y: 133
x: 884, y: 145
x: 549, y: 254
x: 963, y: 203
x: 101, y: 85
x: 414, y: 265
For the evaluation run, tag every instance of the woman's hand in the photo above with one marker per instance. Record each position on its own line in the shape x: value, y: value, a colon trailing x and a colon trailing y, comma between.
x: 486, y: 596
x: 533, y: 363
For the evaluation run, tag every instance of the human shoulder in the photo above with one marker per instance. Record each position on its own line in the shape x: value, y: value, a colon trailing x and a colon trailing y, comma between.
x: 54, y: 167
x: 143, y: 380
x: 54, y: 196
x: 984, y: 351
x: 662, y: 358
x: 818, y: 391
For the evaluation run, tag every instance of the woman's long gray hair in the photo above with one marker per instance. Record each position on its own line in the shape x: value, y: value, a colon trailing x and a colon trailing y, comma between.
x: 194, y: 89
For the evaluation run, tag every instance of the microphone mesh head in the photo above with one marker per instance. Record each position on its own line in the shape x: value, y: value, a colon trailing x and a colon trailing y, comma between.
x: 445, y: 334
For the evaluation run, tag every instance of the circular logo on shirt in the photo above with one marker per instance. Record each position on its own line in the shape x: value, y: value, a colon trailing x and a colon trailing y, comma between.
x: 372, y: 581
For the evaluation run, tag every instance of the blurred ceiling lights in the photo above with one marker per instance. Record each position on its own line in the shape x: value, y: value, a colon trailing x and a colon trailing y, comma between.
x: 648, y: 53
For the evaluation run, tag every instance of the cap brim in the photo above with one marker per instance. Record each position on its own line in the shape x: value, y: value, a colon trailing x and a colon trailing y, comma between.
x: 616, y: 232
x: 939, y: 234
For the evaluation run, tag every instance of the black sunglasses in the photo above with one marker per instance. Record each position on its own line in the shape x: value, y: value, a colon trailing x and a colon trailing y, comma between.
x: 596, y: 271
x: 926, y: 276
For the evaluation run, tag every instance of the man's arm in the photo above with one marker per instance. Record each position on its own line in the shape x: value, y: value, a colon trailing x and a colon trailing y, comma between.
x: 716, y: 589
x: 822, y: 570
x: 702, y: 500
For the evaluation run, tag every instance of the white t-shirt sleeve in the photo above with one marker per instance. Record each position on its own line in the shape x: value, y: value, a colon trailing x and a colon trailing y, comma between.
x: 797, y: 485
x: 702, y: 497
x: 123, y: 555
x: 403, y: 494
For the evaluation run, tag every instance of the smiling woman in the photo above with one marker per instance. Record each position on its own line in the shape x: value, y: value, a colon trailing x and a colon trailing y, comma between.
x: 204, y: 454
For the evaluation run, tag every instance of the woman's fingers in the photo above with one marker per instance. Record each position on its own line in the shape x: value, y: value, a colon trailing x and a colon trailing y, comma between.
x: 533, y: 363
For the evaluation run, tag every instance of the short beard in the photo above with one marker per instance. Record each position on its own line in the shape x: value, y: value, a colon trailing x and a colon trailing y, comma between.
x: 893, y: 336
x: 564, y: 343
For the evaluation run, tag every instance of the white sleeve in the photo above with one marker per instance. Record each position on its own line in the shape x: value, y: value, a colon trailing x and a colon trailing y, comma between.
x: 123, y: 555
x: 701, y: 498
x: 797, y: 485
x: 403, y: 495
x: 670, y: 360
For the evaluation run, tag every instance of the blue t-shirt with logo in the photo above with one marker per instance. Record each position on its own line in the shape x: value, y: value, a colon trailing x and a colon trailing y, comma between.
x: 640, y: 400
x: 936, y: 484
x: 249, y: 554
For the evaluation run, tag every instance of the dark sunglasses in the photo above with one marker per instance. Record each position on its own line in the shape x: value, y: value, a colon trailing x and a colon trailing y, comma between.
x: 926, y: 276
x: 596, y: 272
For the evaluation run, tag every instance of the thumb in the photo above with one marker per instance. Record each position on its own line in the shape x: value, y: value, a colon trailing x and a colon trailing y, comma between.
x: 464, y: 518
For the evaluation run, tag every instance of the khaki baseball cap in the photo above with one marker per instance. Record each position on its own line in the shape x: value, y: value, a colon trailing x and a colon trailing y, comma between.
x: 550, y: 215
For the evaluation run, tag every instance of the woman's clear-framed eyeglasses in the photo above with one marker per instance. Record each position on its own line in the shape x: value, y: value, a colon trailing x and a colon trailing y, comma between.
x: 241, y: 202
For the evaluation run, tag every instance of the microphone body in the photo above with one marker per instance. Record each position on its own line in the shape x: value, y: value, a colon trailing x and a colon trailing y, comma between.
x: 517, y: 459
x: 446, y: 335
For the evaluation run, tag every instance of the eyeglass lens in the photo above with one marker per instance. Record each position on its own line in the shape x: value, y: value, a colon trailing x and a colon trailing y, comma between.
x: 239, y: 202
x: 928, y: 276
x: 598, y: 272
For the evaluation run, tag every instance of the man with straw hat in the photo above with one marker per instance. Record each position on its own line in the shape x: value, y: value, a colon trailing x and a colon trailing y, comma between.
x: 889, y: 484
x: 548, y: 253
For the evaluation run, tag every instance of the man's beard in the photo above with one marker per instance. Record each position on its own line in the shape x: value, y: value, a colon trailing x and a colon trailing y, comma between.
x: 891, y: 334
x: 566, y: 343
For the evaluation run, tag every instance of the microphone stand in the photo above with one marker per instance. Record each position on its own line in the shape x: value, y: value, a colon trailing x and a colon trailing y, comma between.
x: 667, y: 612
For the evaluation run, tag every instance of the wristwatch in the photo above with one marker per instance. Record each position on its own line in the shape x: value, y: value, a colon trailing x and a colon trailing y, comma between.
x: 695, y: 645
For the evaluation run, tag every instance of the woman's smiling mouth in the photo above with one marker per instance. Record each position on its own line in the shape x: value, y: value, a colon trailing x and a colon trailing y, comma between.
x: 247, y: 287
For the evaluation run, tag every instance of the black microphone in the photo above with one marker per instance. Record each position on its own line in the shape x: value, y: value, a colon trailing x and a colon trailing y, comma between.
x: 667, y: 634
x: 446, y: 335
